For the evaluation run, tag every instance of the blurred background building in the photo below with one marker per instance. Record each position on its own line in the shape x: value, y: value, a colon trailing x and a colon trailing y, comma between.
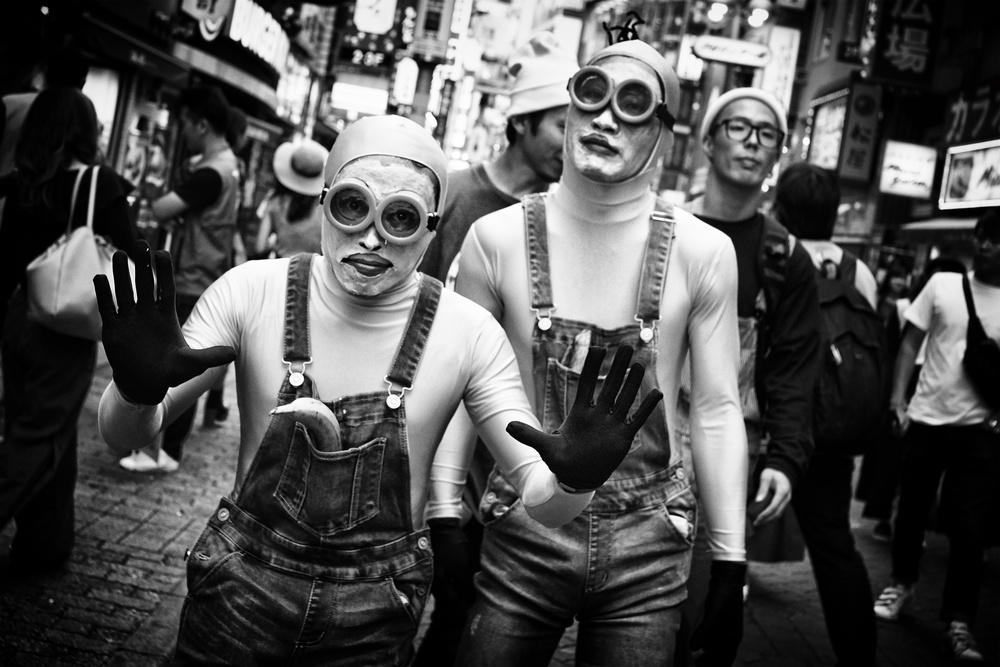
x: 899, y: 98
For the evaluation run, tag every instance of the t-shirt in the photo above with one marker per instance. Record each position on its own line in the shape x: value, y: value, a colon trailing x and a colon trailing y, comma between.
x: 944, y: 394
x: 353, y: 341
x: 200, y: 189
x: 471, y: 195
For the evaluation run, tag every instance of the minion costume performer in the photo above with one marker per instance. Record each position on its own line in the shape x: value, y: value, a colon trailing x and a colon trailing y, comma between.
x: 348, y: 367
x: 599, y: 261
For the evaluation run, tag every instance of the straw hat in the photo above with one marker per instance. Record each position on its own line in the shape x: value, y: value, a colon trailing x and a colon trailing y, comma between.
x: 299, y: 166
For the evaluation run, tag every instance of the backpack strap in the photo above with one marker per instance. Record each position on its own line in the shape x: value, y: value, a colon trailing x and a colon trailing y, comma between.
x: 776, y: 245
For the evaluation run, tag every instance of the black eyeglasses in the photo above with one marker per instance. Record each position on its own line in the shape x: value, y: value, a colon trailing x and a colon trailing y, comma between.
x: 740, y: 129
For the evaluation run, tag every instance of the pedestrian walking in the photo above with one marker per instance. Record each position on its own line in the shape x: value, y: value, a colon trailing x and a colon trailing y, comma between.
x: 46, y: 374
x: 349, y: 366
x: 742, y: 134
x: 293, y: 218
x: 203, y: 209
x: 950, y: 428
x: 598, y: 260
x: 847, y: 409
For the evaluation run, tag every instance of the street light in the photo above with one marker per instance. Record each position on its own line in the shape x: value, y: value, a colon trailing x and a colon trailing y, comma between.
x: 754, y: 12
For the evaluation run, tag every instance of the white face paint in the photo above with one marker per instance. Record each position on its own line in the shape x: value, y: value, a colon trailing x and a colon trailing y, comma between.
x: 363, y: 262
x: 601, y: 146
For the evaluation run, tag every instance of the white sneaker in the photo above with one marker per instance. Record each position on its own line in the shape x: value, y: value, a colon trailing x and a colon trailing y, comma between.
x: 892, y: 601
x: 962, y: 643
x: 140, y: 461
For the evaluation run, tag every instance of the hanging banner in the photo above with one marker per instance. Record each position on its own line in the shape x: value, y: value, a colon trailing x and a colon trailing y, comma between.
x: 778, y: 75
x: 857, y: 149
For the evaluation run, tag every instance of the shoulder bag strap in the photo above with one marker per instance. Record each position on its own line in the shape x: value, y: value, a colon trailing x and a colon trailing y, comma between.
x: 93, y: 197
x: 72, y: 201
x: 969, y: 303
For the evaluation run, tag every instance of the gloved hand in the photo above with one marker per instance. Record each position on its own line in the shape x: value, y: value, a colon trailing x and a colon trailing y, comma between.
x: 453, y: 568
x: 143, y: 339
x: 594, y: 437
x: 721, y: 627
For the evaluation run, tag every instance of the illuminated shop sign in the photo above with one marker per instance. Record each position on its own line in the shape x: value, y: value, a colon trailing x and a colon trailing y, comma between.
x: 907, y: 170
x: 971, y: 176
x: 259, y: 32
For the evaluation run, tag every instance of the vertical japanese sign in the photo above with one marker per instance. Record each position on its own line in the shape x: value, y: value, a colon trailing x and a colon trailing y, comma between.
x: 907, y: 41
x: 778, y: 75
x: 857, y: 149
x: 973, y: 114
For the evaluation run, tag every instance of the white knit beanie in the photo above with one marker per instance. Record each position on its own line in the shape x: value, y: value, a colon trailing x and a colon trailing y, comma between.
x: 541, y: 70
x: 722, y: 101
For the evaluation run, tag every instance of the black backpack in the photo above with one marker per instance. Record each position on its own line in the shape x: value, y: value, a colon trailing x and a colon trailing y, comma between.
x: 851, y: 388
x: 982, y: 355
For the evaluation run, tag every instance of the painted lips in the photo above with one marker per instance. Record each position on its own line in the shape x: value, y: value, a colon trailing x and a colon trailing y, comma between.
x: 367, y: 264
x: 597, y: 141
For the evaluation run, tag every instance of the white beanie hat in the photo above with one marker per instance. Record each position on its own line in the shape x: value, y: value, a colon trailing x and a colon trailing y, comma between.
x: 722, y: 101
x: 541, y: 70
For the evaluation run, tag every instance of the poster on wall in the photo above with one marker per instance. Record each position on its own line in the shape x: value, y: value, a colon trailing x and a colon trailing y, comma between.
x: 971, y: 176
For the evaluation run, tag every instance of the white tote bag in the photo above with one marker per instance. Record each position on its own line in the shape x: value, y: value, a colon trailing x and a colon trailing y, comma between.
x: 60, y: 283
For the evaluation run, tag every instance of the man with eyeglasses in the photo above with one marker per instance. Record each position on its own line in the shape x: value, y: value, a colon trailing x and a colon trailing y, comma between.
x: 598, y: 260
x: 348, y: 367
x: 742, y: 133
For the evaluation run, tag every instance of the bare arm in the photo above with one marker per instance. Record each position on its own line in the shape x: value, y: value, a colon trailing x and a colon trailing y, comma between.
x: 906, y: 360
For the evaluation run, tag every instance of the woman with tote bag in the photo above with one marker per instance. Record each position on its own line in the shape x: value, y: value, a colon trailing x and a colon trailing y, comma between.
x: 47, y: 375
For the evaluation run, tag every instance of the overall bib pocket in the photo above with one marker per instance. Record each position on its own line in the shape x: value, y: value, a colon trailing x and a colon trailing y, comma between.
x: 330, y: 492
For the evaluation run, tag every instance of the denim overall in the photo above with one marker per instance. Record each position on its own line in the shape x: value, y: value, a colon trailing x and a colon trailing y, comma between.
x: 315, y: 559
x: 619, y: 567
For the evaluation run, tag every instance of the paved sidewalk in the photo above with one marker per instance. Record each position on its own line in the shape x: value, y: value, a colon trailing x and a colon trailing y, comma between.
x: 118, y: 600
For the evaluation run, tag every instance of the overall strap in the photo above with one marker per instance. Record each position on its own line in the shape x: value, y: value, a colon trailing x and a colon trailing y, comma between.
x: 297, y: 353
x: 411, y: 347
x: 654, y: 271
x: 536, y: 243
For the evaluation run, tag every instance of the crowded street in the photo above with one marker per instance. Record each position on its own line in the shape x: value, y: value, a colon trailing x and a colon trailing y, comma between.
x: 499, y: 333
x: 118, y: 601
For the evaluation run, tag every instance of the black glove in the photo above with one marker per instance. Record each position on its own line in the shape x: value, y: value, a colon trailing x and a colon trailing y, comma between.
x: 595, y: 437
x: 453, y: 568
x: 143, y: 339
x: 721, y: 628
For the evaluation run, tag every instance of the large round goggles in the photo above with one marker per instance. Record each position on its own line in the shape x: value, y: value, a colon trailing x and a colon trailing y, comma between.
x: 632, y: 100
x: 350, y: 206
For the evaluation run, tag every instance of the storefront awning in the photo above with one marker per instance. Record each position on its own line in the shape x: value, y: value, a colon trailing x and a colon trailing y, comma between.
x: 940, y: 225
x: 234, y: 76
x: 117, y: 45
x: 936, y: 228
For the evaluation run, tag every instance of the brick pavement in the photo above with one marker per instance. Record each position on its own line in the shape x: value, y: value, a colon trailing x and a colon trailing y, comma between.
x: 118, y: 600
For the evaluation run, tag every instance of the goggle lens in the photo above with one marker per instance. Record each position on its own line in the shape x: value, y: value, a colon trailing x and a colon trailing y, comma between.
x: 634, y: 99
x: 350, y: 206
x: 401, y: 219
x: 591, y: 88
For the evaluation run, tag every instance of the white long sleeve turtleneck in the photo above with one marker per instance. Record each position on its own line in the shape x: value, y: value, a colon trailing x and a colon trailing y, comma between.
x: 597, y: 237
x: 353, y: 341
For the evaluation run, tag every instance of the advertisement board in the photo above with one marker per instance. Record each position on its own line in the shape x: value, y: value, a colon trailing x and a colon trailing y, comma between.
x: 907, y: 170
x: 971, y: 176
